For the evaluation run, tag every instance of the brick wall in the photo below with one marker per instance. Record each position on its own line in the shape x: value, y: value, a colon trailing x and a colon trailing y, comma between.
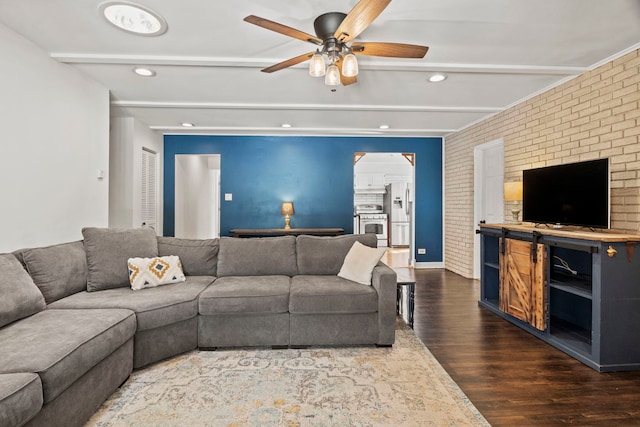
x: 593, y: 116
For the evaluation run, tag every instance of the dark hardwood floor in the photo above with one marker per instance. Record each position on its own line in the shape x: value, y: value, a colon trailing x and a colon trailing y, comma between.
x: 513, y: 378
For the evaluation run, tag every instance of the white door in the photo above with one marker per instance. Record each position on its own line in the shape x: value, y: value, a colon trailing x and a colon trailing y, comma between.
x: 149, y: 190
x: 488, y: 190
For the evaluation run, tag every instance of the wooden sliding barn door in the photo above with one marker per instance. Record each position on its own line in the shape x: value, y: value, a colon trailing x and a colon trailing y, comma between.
x: 522, y: 282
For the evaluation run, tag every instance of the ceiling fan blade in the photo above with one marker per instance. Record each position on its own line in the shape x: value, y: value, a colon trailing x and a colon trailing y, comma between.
x: 359, y: 18
x: 288, y: 63
x: 346, y: 81
x: 391, y: 50
x: 282, y: 29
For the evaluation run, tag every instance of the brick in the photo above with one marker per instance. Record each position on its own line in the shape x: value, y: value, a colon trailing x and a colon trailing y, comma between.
x: 632, y: 131
x: 611, y: 152
x: 591, y: 80
x: 622, y: 141
x: 621, y: 176
x: 623, y: 125
x: 623, y: 108
x: 625, y: 158
x: 629, y: 90
x: 626, y: 74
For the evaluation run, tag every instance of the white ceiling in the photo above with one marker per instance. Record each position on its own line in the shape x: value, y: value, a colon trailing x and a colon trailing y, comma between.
x: 494, y: 52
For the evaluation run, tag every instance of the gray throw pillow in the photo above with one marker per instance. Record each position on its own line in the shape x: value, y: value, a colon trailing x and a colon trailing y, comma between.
x: 199, y: 257
x: 58, y: 271
x: 20, y: 296
x: 108, y: 250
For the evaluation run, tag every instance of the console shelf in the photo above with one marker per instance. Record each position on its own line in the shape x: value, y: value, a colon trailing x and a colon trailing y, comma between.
x: 578, y: 290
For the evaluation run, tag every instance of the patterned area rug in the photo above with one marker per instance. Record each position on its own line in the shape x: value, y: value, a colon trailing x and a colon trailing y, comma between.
x: 355, y: 386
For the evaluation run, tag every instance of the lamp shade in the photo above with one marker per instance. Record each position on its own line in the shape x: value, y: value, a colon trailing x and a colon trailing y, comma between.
x: 333, y: 76
x: 350, y: 65
x: 316, y: 66
x: 287, y: 208
x: 513, y: 191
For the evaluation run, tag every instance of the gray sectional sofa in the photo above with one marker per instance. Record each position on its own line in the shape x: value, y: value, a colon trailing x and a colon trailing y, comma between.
x: 72, y: 329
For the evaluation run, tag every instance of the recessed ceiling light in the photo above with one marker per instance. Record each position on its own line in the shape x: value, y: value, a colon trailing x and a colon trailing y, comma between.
x: 434, y: 78
x: 133, y: 18
x: 187, y: 125
x: 384, y: 126
x: 286, y: 125
x: 144, y: 72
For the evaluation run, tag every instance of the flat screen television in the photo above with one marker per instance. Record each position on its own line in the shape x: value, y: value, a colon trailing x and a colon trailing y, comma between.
x: 570, y: 194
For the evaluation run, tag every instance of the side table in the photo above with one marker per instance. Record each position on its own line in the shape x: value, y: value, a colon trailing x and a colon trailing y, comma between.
x: 406, y: 294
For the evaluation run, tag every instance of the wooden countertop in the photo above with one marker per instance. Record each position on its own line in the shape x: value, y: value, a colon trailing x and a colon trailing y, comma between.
x: 570, y: 232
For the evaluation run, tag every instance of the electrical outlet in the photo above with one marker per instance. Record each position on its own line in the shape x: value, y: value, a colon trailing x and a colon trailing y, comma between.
x: 422, y: 251
x: 228, y: 197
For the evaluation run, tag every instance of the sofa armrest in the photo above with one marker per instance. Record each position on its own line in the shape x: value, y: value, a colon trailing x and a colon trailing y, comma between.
x: 384, y: 280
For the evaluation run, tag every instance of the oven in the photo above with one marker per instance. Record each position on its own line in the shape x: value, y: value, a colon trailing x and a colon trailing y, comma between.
x: 371, y: 219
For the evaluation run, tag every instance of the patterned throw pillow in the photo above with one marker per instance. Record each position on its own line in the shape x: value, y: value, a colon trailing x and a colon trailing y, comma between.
x: 150, y: 272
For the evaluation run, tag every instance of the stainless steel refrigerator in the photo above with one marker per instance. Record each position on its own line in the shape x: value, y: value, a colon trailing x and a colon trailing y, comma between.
x: 397, y: 206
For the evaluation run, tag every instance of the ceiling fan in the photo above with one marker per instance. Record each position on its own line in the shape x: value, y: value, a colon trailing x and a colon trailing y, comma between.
x: 334, y: 32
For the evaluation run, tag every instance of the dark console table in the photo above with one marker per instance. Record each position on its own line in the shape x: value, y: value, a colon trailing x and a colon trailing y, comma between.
x: 575, y: 289
x: 271, y: 232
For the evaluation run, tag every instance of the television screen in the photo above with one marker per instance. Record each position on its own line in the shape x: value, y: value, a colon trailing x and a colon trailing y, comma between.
x: 571, y: 194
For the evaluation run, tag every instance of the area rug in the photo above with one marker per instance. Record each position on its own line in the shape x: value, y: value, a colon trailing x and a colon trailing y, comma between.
x: 337, y: 386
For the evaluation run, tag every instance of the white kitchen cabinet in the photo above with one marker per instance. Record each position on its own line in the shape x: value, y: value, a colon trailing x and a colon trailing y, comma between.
x: 369, y: 180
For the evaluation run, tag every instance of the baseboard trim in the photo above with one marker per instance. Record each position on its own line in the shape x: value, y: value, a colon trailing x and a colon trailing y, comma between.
x: 429, y: 265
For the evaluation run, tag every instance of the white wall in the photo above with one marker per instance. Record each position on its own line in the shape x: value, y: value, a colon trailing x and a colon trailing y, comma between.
x: 55, y: 124
x: 128, y: 137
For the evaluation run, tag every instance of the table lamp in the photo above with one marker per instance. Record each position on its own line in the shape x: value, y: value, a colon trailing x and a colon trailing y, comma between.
x: 287, y: 211
x: 513, y: 193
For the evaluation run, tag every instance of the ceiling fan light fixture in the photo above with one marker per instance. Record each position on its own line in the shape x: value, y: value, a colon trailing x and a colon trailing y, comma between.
x: 133, y: 18
x: 316, y: 66
x: 333, y: 76
x: 349, y: 65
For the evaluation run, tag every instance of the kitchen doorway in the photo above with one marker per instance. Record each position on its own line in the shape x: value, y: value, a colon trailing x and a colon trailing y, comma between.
x: 197, y: 196
x: 383, y: 202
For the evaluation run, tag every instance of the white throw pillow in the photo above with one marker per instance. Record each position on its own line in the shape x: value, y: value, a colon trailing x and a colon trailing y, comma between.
x: 150, y: 272
x: 359, y: 263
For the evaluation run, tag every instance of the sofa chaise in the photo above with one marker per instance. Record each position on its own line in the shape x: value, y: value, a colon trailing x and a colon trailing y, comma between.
x: 72, y: 330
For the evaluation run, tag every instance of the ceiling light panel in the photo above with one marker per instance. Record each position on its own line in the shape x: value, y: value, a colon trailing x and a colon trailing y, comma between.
x: 133, y: 18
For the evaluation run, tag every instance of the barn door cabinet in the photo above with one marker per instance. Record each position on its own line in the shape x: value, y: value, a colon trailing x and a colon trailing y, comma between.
x: 577, y: 290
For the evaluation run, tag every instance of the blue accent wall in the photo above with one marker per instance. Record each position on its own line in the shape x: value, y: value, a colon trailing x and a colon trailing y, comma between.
x: 314, y: 172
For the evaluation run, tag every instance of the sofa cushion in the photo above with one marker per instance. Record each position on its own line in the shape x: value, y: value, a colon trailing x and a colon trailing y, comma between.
x: 325, y: 255
x: 330, y: 294
x: 62, y: 345
x: 20, y: 297
x: 360, y: 262
x: 58, y: 270
x: 199, y: 257
x: 20, y: 398
x: 152, y: 272
x: 108, y: 250
x: 154, y: 307
x: 257, y: 256
x: 246, y: 295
